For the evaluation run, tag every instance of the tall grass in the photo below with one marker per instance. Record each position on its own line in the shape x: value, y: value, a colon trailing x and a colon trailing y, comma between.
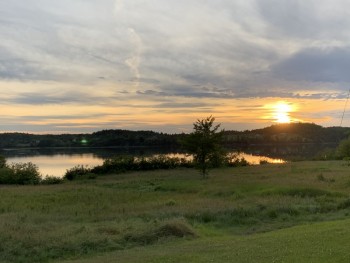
x: 84, y: 218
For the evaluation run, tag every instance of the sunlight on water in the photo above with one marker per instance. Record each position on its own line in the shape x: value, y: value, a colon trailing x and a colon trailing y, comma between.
x: 252, y: 159
x: 56, y: 165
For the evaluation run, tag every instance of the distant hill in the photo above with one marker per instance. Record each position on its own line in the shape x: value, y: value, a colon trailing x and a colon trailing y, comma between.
x: 289, y: 133
x: 275, y: 134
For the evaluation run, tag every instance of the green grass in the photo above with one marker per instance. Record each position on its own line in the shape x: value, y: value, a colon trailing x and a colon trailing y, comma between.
x: 296, y: 212
x: 321, y: 242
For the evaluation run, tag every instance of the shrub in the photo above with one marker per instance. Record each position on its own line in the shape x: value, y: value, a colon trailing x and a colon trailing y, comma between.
x: 327, y: 154
x: 20, y: 173
x: 121, y: 164
x: 6, y: 176
x: 77, y: 172
x: 320, y: 177
x: 117, y: 164
x: 233, y: 160
x: 263, y: 161
x: 2, y: 161
x: 52, y: 180
x: 343, y: 150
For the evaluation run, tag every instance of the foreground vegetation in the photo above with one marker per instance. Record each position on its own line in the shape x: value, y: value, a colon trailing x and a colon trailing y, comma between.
x: 23, y: 174
x: 295, y: 212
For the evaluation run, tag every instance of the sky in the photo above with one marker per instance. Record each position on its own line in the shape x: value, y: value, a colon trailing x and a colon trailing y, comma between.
x: 87, y: 65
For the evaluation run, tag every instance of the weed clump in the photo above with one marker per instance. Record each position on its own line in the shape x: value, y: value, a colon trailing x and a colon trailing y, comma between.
x: 321, y: 178
x: 174, y: 228
x: 170, y: 203
x: 344, y: 204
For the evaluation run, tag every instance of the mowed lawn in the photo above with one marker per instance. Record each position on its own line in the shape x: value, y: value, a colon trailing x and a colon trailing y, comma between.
x: 295, y: 212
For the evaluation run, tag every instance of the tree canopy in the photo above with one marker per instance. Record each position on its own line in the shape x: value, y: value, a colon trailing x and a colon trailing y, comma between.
x: 205, y: 145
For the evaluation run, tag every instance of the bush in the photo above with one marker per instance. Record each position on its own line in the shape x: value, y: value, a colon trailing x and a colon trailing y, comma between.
x: 233, y: 160
x: 263, y: 161
x: 121, y: 164
x: 2, y: 162
x: 78, y: 172
x: 20, y: 173
x: 52, y: 180
x: 116, y: 164
x: 6, y: 176
x: 343, y: 150
x: 327, y: 154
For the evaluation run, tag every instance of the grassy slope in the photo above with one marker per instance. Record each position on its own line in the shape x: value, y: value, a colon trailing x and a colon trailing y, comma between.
x: 319, y: 242
x: 249, y: 214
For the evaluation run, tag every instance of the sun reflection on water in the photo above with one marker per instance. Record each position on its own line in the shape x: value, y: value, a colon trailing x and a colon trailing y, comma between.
x: 57, y: 165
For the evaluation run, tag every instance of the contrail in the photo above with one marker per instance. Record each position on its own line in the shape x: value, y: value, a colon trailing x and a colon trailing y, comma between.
x: 134, y: 61
x: 118, y: 5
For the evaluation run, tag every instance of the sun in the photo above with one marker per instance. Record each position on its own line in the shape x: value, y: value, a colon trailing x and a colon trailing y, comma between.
x: 281, y: 112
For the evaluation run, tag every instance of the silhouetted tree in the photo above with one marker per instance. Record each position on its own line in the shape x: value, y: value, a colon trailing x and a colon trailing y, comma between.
x: 205, y: 145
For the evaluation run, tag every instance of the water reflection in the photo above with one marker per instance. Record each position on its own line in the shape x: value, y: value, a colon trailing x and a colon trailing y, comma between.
x: 252, y: 159
x: 257, y: 159
x: 56, y: 164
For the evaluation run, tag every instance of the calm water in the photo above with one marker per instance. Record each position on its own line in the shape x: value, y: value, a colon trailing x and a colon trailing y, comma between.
x: 56, y: 165
x: 55, y: 162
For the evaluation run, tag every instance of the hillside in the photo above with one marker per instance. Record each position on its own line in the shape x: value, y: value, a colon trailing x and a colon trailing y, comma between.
x: 289, y: 133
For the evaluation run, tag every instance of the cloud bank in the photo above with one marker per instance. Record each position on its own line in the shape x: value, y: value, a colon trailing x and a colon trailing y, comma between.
x: 179, y: 54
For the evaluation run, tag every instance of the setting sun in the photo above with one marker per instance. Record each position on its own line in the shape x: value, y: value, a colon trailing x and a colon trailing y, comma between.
x: 281, y: 112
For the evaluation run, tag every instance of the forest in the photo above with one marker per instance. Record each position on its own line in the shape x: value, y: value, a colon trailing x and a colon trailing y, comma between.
x: 293, y: 133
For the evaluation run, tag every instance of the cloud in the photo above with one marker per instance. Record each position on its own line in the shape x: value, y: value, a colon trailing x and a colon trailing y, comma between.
x: 134, y: 61
x: 307, y: 20
x: 316, y: 65
x: 34, y: 98
x: 171, y: 54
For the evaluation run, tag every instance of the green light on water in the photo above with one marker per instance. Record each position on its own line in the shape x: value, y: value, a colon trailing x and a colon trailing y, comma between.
x: 83, y: 141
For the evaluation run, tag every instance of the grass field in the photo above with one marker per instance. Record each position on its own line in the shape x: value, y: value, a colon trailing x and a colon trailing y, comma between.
x: 295, y: 212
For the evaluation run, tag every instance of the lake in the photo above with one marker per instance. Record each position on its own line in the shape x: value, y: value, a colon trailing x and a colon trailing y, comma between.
x: 55, y: 162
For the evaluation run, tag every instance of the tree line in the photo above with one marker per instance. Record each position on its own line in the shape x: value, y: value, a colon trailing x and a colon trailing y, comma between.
x: 275, y: 134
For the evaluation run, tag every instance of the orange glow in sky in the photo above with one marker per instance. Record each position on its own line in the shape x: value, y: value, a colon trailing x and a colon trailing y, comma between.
x: 84, y: 66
